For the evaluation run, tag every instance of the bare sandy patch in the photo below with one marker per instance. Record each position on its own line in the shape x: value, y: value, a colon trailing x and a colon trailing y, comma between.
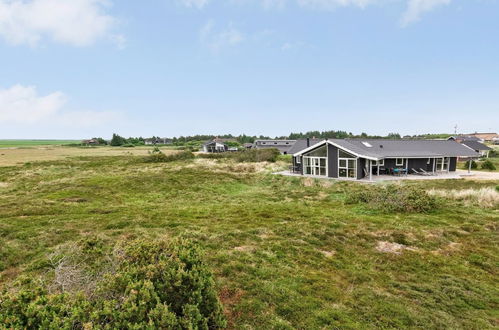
x: 328, y: 254
x: 4, y: 184
x: 308, y: 182
x: 395, y: 248
x: 245, y: 248
x: 448, y: 249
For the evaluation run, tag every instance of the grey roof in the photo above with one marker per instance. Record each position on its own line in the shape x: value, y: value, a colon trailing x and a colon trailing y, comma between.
x: 302, y: 144
x: 381, y: 148
x: 214, y: 141
x: 282, y: 145
x: 476, y: 145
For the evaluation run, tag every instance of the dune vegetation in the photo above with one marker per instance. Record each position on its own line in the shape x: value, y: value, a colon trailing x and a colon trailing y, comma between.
x: 282, y: 252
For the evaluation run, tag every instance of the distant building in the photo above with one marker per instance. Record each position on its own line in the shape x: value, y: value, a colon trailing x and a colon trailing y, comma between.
x: 90, y: 142
x: 157, y: 140
x: 215, y: 145
x: 282, y: 145
x: 248, y: 145
x: 486, y: 137
x: 481, y: 148
x: 462, y: 138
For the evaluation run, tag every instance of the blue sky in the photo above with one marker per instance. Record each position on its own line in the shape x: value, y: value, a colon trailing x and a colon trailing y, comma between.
x: 82, y: 68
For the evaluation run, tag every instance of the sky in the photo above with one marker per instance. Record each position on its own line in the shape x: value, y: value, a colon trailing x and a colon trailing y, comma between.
x: 73, y: 69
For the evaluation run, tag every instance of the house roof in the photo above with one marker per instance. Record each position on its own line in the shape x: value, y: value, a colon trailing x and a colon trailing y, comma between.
x: 380, y: 148
x: 476, y: 145
x: 302, y: 144
x: 484, y: 136
x: 282, y: 145
x: 464, y: 138
x: 214, y: 141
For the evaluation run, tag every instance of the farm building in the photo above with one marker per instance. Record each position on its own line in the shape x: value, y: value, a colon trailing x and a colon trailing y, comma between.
x: 282, y: 145
x: 357, y: 159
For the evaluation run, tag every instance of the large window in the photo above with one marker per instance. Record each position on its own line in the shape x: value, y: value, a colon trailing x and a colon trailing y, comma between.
x: 399, y: 162
x: 315, y: 166
x: 347, y: 165
x: 443, y: 164
x: 319, y: 152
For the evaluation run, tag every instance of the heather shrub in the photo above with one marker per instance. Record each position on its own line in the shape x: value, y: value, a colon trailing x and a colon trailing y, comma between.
x: 393, y: 198
x: 153, y: 285
x: 474, y: 165
x: 488, y: 165
x: 160, y: 157
x: 250, y: 156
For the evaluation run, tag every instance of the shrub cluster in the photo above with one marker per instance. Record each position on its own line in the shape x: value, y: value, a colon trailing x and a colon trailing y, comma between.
x: 488, y: 165
x: 154, y: 284
x: 160, y: 157
x: 474, y: 165
x: 250, y: 156
x: 393, y: 198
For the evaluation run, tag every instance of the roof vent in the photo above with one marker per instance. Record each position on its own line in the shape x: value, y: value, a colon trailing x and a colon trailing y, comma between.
x: 367, y: 144
x: 381, y: 146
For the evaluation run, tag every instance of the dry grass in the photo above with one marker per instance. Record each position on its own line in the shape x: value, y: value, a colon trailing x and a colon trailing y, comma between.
x: 486, y: 197
x: 17, y: 156
x: 395, y: 248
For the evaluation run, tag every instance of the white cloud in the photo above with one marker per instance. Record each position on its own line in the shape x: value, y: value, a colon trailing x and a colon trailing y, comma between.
x: 74, y: 22
x: 416, y: 7
x: 216, y: 40
x: 194, y: 3
x: 331, y: 4
x: 22, y: 105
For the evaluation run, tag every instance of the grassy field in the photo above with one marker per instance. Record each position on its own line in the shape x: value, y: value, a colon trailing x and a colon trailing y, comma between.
x: 286, y: 252
x: 31, y: 143
x: 17, y: 156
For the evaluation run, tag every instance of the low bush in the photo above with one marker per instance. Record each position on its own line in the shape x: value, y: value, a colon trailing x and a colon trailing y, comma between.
x: 154, y: 284
x: 474, y: 165
x: 488, y: 165
x: 160, y: 157
x: 393, y: 198
x: 250, y: 156
x: 128, y: 145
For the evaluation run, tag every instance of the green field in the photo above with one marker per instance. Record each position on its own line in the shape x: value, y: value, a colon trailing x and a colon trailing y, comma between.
x: 286, y: 252
x: 34, y: 143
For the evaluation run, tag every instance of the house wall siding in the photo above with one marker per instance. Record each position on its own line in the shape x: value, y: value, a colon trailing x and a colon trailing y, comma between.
x: 361, y: 163
x: 332, y: 161
x: 452, y: 164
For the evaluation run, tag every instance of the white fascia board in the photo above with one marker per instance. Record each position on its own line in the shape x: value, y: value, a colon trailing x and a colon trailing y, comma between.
x: 318, y: 144
x: 336, y: 145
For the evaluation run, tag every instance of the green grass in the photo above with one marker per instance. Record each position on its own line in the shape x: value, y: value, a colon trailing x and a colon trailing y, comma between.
x: 285, y: 254
x: 33, y: 143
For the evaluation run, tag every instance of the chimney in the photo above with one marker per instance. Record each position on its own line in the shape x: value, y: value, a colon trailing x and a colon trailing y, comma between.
x: 308, y: 142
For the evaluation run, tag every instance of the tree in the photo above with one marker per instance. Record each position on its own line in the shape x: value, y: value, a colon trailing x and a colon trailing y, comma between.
x: 117, y: 140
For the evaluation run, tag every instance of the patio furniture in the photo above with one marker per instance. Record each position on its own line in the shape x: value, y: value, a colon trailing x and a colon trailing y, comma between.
x: 400, y: 171
x: 416, y: 171
x: 424, y: 172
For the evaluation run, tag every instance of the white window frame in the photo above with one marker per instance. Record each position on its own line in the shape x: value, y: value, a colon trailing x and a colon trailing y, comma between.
x: 443, y: 163
x: 298, y: 160
x: 313, y: 168
x: 397, y: 162
x: 347, y: 167
x: 380, y: 162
